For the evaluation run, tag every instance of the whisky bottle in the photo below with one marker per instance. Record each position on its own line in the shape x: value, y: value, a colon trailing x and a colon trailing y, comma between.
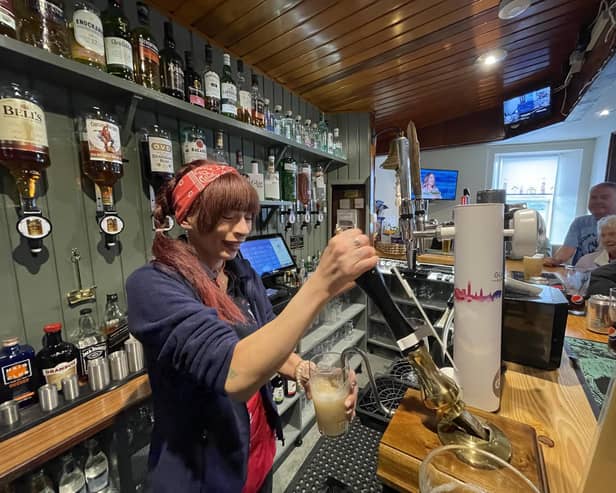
x: 228, y: 89
x: 42, y: 24
x: 220, y: 156
x: 116, y: 324
x: 156, y: 154
x: 239, y: 162
x: 193, y: 85
x: 8, y: 25
x: 118, y: 50
x: 101, y: 153
x: 58, y: 359
x: 171, y: 66
x: 146, y: 58
x: 18, y: 376
x: 23, y: 140
x: 258, y: 105
x: 193, y: 145
x: 90, y: 342
x: 211, y: 81
x: 244, y: 103
x: 87, y: 40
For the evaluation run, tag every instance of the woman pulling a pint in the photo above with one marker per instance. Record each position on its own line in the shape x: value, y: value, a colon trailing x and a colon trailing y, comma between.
x: 211, y: 339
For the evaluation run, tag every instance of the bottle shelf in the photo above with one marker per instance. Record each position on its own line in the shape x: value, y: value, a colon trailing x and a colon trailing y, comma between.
x: 287, y: 403
x: 68, y: 73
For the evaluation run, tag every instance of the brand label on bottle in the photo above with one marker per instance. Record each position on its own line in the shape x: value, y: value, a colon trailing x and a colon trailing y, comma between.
x: 246, y: 100
x: 161, y: 156
x: 118, y: 51
x: 88, y: 31
x: 22, y: 125
x: 17, y: 377
x: 193, y: 150
x: 7, y: 17
x: 48, y: 10
x: 90, y: 353
x: 291, y: 388
x: 103, y: 141
x: 56, y: 374
x: 212, y: 85
x: 272, y: 186
x: 229, y: 98
x: 292, y: 166
x: 195, y: 95
x: 278, y: 394
x: 256, y: 180
x: 100, y: 481
x: 148, y: 51
x: 173, y: 77
x: 320, y: 182
x: 116, y: 332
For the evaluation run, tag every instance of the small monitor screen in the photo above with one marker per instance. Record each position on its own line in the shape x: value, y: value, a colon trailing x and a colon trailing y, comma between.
x: 528, y: 106
x: 439, y: 184
x: 267, y: 254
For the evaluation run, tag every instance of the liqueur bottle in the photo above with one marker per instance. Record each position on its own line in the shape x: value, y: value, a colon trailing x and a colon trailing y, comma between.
x: 42, y: 24
x: 228, y: 89
x: 146, y: 58
x: 193, y: 85
x: 17, y: 372
x: 193, y: 145
x: 116, y: 324
x: 58, y: 359
x: 171, y: 66
x: 211, y: 81
x: 87, y: 40
x: 118, y: 50
x: 244, y: 103
x: 8, y: 26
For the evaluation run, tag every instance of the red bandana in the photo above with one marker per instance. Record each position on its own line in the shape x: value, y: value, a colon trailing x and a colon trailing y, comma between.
x: 193, y: 183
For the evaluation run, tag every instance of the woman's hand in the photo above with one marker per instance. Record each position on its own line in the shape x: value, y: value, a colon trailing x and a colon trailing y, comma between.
x: 347, y: 256
x: 351, y: 400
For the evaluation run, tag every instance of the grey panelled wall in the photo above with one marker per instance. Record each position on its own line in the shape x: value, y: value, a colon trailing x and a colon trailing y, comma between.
x: 34, y: 288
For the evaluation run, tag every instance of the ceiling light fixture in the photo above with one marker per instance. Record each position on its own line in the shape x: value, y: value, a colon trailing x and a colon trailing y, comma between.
x: 604, y: 112
x: 508, y: 9
x: 492, y: 57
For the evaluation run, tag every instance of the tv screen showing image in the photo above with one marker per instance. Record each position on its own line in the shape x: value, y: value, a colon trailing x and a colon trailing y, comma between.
x: 267, y: 254
x: 438, y: 184
x: 528, y: 106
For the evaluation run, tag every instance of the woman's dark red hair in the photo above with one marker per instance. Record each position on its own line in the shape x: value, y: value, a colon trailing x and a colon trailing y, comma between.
x: 230, y: 192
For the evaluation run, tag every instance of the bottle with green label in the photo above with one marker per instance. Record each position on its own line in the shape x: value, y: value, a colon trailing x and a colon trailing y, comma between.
x: 288, y: 179
x: 118, y: 50
x: 87, y: 39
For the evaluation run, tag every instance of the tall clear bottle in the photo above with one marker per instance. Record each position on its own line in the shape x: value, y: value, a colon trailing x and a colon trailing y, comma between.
x: 72, y: 479
x: 337, y: 143
x: 244, y: 100
x: 272, y: 180
x: 97, y: 468
x: 323, y: 131
x: 268, y: 116
x: 193, y: 145
x: 171, y: 66
x: 298, y: 130
x: 146, y: 58
x: 211, y: 81
x: 87, y: 40
x: 118, y: 50
x: 40, y: 483
x: 278, y: 120
x: 220, y: 156
x: 307, y: 132
x: 288, y: 126
x: 228, y: 89
x: 90, y: 342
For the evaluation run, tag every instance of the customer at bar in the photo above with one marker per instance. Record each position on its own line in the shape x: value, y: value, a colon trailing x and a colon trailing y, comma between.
x: 581, y: 238
x: 606, y: 230
x: 211, y: 340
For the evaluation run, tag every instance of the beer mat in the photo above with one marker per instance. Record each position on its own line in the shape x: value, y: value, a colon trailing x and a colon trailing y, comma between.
x: 595, y: 367
x: 349, y: 461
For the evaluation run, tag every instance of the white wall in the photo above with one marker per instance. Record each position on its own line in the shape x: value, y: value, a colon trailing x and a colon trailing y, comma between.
x: 602, y: 147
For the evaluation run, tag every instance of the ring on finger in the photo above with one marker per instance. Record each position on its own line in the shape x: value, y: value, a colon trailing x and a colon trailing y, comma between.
x: 356, y: 243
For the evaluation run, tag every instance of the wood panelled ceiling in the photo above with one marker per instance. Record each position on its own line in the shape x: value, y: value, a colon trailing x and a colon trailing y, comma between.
x: 399, y: 59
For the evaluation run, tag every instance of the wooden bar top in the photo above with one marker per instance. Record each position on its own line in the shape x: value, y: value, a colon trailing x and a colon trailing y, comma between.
x: 35, y: 446
x: 553, y: 402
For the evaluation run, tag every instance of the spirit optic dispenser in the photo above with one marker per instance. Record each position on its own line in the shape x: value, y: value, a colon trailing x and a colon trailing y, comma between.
x: 25, y: 153
x: 101, y: 161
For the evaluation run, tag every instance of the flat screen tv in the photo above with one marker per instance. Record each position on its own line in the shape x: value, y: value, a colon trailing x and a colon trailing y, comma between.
x: 438, y: 184
x: 268, y: 254
x: 529, y: 106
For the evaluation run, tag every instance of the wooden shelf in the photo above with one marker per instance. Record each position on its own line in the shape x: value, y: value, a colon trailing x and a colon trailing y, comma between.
x: 34, y: 447
x: 74, y: 75
x: 325, y: 330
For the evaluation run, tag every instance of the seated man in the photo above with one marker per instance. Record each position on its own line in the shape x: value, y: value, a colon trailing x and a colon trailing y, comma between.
x: 602, y: 279
x: 606, y: 229
x: 582, y: 235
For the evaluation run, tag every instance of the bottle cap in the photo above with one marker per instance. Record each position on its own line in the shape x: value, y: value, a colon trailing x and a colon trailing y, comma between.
x: 277, y: 108
x: 112, y: 297
x: 10, y: 341
x: 52, y: 328
x: 85, y: 311
x: 266, y: 101
x: 289, y: 113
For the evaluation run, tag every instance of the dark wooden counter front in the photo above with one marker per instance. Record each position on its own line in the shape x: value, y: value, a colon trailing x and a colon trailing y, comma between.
x: 35, y: 446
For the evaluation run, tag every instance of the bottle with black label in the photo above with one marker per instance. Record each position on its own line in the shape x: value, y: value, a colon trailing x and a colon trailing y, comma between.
x: 17, y: 372
x: 244, y: 100
x: 193, y: 89
x: 278, y: 386
x: 193, y: 145
x: 211, y: 81
x: 116, y: 325
x: 118, y: 50
x: 90, y: 342
x: 58, y: 359
x: 87, y: 40
x: 228, y: 89
x: 171, y: 66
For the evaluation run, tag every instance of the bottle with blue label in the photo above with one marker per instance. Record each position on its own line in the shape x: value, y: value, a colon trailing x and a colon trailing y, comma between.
x: 17, y: 372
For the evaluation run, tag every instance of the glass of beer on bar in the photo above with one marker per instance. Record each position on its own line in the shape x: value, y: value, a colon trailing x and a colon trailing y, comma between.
x: 329, y: 387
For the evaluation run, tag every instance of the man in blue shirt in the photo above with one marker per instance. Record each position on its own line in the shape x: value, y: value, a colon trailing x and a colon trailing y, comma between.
x: 582, y: 235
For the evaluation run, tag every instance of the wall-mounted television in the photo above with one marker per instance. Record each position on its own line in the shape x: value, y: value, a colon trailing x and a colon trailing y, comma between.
x: 438, y: 184
x: 528, y: 106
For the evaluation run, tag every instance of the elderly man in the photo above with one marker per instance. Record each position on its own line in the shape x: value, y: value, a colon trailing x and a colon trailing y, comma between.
x: 581, y: 238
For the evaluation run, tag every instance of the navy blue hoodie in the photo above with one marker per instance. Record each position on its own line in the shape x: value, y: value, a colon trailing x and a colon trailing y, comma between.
x: 201, y: 436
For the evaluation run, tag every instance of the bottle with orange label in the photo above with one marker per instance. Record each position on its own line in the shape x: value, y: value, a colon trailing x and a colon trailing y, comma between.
x: 58, y: 359
x: 17, y: 372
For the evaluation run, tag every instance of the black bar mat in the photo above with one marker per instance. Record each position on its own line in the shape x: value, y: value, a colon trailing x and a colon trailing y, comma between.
x: 351, y: 460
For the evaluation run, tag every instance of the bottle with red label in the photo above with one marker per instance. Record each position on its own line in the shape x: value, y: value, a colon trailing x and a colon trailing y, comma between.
x: 17, y: 372
x: 58, y: 359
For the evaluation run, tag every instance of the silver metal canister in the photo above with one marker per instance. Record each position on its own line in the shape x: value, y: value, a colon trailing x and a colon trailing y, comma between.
x: 70, y: 388
x: 98, y: 374
x: 134, y: 352
x: 9, y: 413
x: 598, y: 313
x: 48, y: 397
x: 118, y: 364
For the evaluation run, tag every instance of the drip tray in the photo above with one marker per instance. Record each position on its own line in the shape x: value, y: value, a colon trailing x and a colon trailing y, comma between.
x: 391, y: 391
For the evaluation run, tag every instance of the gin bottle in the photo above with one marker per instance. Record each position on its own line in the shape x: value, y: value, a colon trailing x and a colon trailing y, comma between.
x: 96, y: 468
x: 72, y: 479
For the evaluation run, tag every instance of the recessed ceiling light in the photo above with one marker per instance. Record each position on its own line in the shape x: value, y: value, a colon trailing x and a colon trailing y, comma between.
x: 604, y: 112
x: 508, y: 9
x: 492, y: 57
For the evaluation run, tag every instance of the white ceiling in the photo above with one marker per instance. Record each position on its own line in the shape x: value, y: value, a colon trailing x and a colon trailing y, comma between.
x: 584, y: 121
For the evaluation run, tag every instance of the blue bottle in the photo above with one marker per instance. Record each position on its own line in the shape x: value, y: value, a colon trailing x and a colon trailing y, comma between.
x: 17, y: 372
